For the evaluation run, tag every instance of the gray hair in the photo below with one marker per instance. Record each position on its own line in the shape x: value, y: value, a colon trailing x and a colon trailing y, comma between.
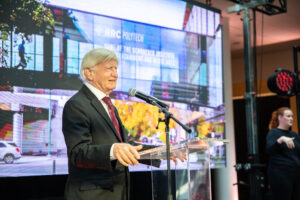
x: 94, y: 57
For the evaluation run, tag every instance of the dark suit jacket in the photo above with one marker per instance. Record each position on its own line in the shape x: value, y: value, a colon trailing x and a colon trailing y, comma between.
x: 89, y: 134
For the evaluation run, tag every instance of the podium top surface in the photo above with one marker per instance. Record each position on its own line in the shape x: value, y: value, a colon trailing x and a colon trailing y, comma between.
x: 194, y: 144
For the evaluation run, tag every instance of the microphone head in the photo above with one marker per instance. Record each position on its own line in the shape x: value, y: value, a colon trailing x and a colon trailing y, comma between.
x: 132, y: 92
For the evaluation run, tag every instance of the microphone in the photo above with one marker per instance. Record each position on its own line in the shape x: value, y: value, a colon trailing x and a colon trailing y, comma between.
x: 149, y: 99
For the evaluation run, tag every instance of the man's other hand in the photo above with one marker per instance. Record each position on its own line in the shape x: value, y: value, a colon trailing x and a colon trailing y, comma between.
x: 181, y: 156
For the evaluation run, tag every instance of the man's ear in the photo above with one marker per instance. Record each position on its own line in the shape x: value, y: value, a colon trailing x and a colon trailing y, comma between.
x: 88, y: 74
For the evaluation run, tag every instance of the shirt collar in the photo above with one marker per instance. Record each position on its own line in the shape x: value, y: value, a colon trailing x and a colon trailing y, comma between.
x: 98, y: 93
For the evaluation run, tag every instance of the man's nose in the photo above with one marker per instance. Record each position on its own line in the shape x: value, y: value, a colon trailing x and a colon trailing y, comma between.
x: 115, y: 73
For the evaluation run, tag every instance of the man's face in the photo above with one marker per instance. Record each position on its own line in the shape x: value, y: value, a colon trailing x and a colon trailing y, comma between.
x: 103, y: 76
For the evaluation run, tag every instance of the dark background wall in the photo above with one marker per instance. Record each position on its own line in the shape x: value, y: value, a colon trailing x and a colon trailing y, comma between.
x: 52, y: 187
x: 265, y: 107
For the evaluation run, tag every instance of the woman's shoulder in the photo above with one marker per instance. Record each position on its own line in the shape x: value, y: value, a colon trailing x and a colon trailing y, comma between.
x: 294, y: 133
x: 275, y: 132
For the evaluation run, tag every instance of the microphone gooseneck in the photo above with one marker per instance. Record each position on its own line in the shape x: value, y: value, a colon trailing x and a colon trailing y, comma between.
x: 149, y: 99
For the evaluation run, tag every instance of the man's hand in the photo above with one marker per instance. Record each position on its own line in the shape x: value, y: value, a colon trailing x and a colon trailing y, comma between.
x: 181, y: 156
x: 127, y: 154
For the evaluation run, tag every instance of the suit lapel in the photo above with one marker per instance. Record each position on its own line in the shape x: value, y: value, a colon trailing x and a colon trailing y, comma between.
x: 100, y: 109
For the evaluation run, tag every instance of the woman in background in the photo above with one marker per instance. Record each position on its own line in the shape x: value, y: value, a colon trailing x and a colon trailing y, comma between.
x: 283, y: 148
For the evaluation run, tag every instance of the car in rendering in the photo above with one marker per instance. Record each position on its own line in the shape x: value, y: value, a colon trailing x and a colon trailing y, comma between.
x: 9, y: 152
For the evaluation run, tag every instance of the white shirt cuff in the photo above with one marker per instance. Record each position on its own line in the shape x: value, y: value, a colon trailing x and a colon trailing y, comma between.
x: 111, y: 154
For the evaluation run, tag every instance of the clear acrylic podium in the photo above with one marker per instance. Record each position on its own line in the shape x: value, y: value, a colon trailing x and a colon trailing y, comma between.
x: 191, y: 178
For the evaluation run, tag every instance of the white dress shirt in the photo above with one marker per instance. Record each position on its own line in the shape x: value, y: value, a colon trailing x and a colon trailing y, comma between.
x: 100, y: 95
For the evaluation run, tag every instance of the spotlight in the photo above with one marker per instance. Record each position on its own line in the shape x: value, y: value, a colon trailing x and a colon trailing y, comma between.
x: 282, y: 82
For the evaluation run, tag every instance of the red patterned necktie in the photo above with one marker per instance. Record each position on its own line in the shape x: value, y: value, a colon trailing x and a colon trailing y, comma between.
x: 112, y: 114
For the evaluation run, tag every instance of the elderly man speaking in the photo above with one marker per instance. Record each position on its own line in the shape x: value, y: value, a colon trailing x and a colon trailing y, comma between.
x: 96, y: 139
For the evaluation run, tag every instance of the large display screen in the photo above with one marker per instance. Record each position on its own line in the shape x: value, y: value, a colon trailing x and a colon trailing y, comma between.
x: 166, y: 48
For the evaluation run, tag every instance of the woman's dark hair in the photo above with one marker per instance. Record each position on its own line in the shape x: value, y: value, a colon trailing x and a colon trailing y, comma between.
x: 274, y: 119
